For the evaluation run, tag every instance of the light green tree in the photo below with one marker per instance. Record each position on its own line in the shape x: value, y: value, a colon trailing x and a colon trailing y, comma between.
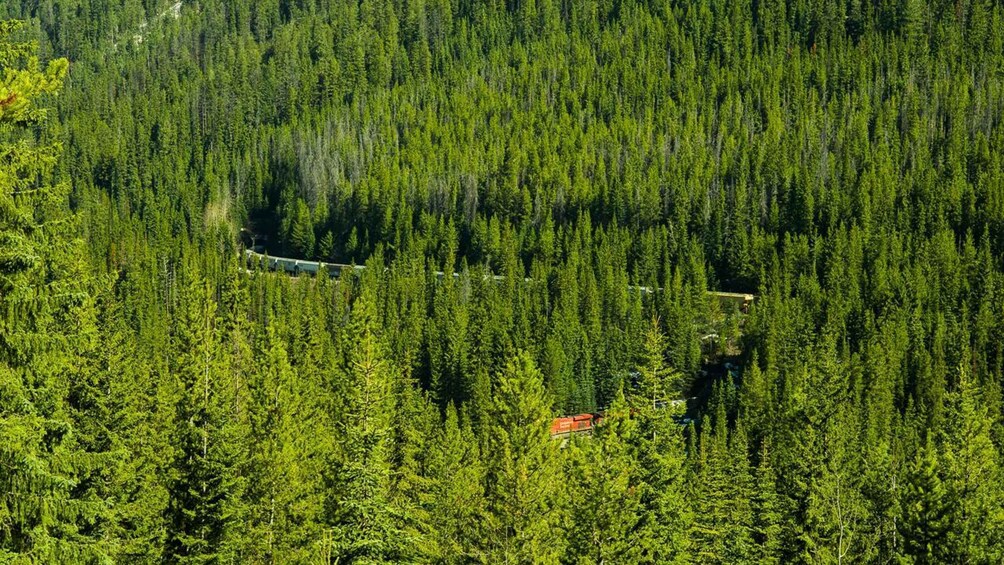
x: 455, y: 500
x: 46, y: 324
x: 605, y: 494
x: 972, y: 476
x: 365, y: 525
x: 925, y: 510
x: 524, y: 485
x: 286, y: 490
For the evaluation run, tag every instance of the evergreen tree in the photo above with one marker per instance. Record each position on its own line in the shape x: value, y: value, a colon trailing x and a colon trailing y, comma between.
x: 557, y: 154
x: 525, y: 492
x: 661, y: 469
x: 46, y: 325
x: 767, y: 512
x: 835, y: 507
x: 116, y: 407
x: 972, y: 476
x: 710, y: 489
x: 456, y: 499
x: 365, y: 525
x: 605, y: 494
x: 286, y: 462
x: 201, y: 468
x: 656, y: 382
x: 740, y: 547
x: 925, y: 510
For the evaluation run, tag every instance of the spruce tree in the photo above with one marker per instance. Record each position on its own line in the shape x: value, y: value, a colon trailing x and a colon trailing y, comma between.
x: 524, y: 486
x: 767, y: 511
x: 972, y: 477
x: 925, y: 510
x: 46, y: 325
x: 661, y: 470
x: 201, y: 468
x: 605, y: 494
x: 365, y: 527
x: 739, y: 529
x: 455, y: 501
x: 285, y: 487
x: 710, y: 488
x: 657, y: 383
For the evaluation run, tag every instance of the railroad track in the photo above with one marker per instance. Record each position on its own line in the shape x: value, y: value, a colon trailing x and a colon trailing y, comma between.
x: 301, y: 266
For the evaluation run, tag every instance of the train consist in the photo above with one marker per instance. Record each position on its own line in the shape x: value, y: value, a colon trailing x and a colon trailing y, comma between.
x: 561, y: 428
x: 566, y: 426
x: 256, y: 259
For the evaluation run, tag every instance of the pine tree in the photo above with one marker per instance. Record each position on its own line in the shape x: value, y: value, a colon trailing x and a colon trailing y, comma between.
x: 767, y: 511
x: 46, y: 325
x: 972, y: 477
x: 605, y: 493
x: 201, y: 469
x: 523, y: 485
x: 456, y: 499
x: 925, y: 510
x: 285, y: 472
x: 365, y: 525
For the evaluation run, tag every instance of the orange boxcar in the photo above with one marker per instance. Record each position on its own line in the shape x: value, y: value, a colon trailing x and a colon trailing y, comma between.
x: 561, y: 426
x: 574, y: 424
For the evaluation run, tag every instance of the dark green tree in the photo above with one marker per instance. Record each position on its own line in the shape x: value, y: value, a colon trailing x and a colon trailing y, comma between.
x: 925, y: 510
x: 46, y: 325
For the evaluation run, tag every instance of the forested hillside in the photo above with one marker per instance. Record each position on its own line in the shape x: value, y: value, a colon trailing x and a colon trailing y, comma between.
x: 609, y: 162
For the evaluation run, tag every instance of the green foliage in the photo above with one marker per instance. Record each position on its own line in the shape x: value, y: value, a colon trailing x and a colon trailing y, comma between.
x: 589, y: 170
x: 607, y: 511
x: 456, y: 499
x: 48, y: 511
x: 524, y: 492
x: 972, y: 472
x: 925, y: 510
x: 365, y: 526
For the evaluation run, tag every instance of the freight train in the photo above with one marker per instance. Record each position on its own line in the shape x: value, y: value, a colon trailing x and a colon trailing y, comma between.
x: 579, y: 424
x: 583, y: 424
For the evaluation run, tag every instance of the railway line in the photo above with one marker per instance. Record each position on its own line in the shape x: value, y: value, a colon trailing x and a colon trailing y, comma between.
x: 292, y: 266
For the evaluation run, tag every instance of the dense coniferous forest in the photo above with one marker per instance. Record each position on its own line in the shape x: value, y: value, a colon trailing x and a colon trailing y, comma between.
x: 590, y: 169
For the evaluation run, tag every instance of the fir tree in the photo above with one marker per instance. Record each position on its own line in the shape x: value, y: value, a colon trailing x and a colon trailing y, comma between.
x: 456, y: 500
x: 767, y: 511
x: 46, y: 325
x: 972, y: 476
x: 523, y: 485
x: 365, y: 525
x: 606, y: 495
x: 925, y: 510
x: 201, y: 469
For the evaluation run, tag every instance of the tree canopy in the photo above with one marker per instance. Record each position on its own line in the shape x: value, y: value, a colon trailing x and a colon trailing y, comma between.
x: 581, y: 174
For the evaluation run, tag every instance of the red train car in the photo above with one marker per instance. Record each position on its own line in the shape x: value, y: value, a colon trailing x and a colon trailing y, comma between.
x: 580, y: 423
